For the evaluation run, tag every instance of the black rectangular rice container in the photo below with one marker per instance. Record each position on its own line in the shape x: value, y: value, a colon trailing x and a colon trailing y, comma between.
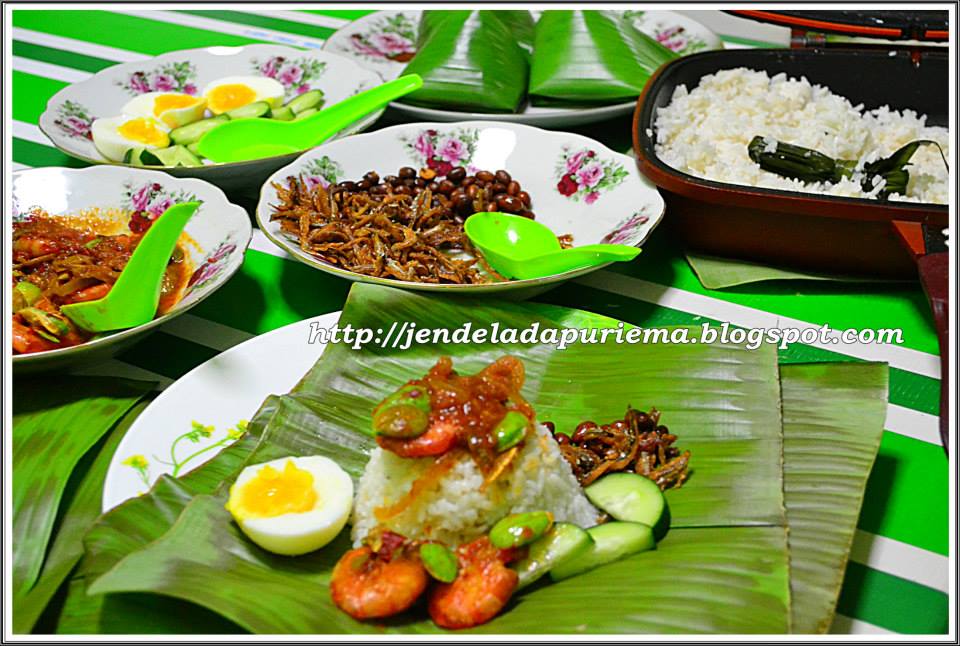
x: 803, y: 230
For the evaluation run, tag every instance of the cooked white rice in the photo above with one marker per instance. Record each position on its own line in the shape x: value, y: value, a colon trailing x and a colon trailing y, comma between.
x: 705, y: 132
x: 458, y: 508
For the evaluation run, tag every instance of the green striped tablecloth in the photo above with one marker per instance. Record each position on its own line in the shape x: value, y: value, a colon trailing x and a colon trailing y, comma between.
x: 896, y: 580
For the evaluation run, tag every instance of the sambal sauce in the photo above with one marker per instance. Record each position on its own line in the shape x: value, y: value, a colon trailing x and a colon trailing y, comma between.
x: 464, y: 410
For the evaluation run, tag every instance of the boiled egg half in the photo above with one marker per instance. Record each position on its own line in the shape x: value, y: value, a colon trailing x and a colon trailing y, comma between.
x: 113, y: 136
x: 174, y: 109
x: 234, y: 92
x: 292, y: 505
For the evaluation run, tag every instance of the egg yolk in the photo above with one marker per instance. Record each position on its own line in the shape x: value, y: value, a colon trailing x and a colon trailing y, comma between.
x: 144, y: 131
x: 166, y: 102
x: 273, y: 493
x: 230, y: 96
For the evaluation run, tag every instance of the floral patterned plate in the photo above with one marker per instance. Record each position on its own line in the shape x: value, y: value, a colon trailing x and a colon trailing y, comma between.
x: 384, y: 42
x: 71, y: 111
x: 115, y: 199
x: 207, y: 408
x: 577, y: 185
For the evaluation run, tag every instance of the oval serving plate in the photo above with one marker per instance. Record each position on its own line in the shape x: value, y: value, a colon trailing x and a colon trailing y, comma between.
x: 217, y: 395
x: 214, y: 240
x: 384, y: 42
x: 577, y: 185
x: 71, y: 111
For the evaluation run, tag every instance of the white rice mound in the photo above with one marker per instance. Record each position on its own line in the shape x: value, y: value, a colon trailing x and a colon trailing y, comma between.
x: 705, y: 131
x: 458, y: 509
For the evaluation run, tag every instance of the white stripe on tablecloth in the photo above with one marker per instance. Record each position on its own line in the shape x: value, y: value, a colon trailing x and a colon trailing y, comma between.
x: 913, y: 423
x: 330, y: 22
x: 205, y: 332
x: 17, y: 166
x: 843, y: 625
x: 921, y: 363
x: 48, y: 70
x: 117, y: 368
x: 901, y: 560
x: 224, y: 27
x: 30, y: 132
x: 78, y: 46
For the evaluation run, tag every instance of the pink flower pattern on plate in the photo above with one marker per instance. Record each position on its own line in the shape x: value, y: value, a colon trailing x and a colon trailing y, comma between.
x: 583, y: 175
x: 296, y: 75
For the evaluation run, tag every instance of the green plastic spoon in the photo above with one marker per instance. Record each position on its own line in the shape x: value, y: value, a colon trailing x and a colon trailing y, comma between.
x: 521, y: 248
x: 133, y: 299
x: 246, y: 139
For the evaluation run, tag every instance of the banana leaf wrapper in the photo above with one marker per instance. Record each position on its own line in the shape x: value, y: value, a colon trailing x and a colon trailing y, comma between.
x: 472, y: 60
x: 591, y: 57
x: 723, y: 567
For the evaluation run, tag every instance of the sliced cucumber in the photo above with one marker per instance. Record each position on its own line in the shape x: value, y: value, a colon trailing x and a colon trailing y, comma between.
x: 191, y: 133
x: 305, y: 114
x: 629, y: 497
x: 250, y: 111
x: 305, y: 101
x: 142, y: 157
x: 561, y: 544
x: 195, y: 149
x: 177, y: 156
x: 282, y: 113
x: 611, y: 542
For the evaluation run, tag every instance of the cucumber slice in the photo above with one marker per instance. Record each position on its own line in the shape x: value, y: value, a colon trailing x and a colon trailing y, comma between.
x: 142, y: 157
x: 611, y: 542
x: 561, y: 544
x: 305, y: 101
x: 194, y: 148
x: 282, y: 113
x: 629, y: 497
x: 177, y: 156
x: 305, y: 114
x: 250, y: 111
x: 191, y: 133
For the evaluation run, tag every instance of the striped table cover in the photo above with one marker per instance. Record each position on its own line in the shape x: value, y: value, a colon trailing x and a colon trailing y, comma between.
x: 897, y: 578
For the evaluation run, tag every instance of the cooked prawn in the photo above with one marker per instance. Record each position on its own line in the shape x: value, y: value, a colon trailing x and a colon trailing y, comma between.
x: 26, y: 340
x: 368, y: 584
x: 482, y: 588
x: 88, y: 293
x: 27, y: 247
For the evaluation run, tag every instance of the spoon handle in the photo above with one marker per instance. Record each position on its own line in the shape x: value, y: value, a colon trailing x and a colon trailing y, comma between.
x: 610, y: 251
x: 343, y: 113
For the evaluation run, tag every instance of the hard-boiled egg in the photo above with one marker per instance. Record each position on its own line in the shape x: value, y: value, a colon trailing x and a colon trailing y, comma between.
x: 113, y: 136
x: 292, y: 505
x: 234, y: 92
x: 175, y: 109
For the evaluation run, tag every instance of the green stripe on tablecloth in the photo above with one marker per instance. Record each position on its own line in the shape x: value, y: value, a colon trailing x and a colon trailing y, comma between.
x: 32, y: 94
x: 34, y: 154
x: 167, y: 355
x: 265, y: 22
x: 841, y: 305
x: 891, y: 602
x: 60, y: 57
x: 347, y: 14
x: 125, y: 32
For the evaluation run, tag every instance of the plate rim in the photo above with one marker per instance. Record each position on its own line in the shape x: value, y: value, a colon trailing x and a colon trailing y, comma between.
x: 157, y: 405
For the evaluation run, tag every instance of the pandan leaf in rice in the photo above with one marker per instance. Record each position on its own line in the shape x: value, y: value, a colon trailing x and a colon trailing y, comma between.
x: 723, y: 566
x: 590, y: 57
x: 470, y: 60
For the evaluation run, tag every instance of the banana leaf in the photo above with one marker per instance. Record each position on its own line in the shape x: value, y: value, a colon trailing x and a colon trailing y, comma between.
x: 471, y: 60
x: 56, y: 422
x: 83, y: 508
x: 833, y: 417
x: 590, y: 57
x: 723, y: 401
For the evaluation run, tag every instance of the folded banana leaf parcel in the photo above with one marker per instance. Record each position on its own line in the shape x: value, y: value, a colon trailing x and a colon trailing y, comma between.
x: 472, y: 60
x: 759, y: 533
x: 591, y: 57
